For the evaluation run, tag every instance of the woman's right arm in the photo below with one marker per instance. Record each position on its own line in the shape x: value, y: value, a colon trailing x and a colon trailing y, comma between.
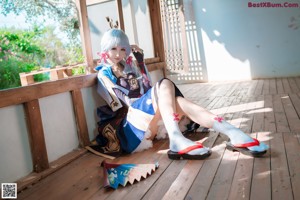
x: 111, y: 92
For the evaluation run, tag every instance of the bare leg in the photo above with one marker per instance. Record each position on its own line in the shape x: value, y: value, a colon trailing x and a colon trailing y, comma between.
x: 167, y: 105
x: 195, y: 112
x: 207, y: 119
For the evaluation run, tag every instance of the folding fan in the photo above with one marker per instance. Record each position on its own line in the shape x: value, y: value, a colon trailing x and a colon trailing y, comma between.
x: 121, y: 174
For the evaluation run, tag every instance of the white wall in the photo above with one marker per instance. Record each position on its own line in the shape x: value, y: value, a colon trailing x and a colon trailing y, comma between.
x: 91, y: 101
x: 240, y: 42
x: 138, y: 25
x: 59, y: 129
x: 59, y: 125
x: 15, y: 156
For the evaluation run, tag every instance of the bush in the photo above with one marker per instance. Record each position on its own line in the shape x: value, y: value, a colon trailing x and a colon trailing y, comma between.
x: 28, y: 50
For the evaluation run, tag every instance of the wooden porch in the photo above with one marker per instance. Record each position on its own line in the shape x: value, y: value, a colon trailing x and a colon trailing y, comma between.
x: 269, y: 109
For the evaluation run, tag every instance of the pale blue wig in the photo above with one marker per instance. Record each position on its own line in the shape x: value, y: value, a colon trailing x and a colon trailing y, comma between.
x: 113, y: 38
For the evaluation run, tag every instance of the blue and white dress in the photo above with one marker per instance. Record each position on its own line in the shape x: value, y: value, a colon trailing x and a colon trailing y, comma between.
x: 134, y: 90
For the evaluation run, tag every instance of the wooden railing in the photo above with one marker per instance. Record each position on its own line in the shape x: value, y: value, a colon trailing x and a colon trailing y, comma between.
x: 29, y: 96
x: 58, y: 72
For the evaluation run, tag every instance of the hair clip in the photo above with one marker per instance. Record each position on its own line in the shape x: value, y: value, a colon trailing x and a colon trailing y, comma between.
x: 219, y: 119
x: 129, y: 60
x: 111, y: 21
x: 176, y: 117
x: 103, y: 56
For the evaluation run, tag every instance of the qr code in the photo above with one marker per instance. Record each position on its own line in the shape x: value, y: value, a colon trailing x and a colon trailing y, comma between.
x: 8, y: 190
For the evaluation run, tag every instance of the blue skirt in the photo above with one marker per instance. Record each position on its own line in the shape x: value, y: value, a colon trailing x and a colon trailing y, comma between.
x: 138, y: 118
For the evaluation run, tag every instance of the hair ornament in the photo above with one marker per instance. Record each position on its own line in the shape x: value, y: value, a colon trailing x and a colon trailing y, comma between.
x: 219, y: 119
x: 111, y: 23
x: 103, y: 56
x: 129, y: 60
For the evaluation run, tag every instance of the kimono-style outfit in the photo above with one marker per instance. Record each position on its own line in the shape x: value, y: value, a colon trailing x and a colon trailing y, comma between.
x: 134, y: 90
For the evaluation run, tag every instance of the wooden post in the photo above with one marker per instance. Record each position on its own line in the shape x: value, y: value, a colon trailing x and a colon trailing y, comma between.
x: 155, y: 15
x: 36, y: 136
x: 26, y: 79
x: 82, y: 129
x: 120, y: 14
x: 85, y: 34
x: 182, y: 20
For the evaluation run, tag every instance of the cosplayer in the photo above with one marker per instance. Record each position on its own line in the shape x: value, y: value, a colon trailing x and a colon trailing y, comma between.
x: 123, y: 84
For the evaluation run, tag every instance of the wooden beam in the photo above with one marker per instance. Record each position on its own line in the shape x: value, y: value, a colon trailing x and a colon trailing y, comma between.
x: 82, y: 129
x: 185, y: 50
x: 34, y: 177
x: 85, y: 34
x: 156, y: 66
x: 158, y: 42
x: 36, y: 136
x: 24, y: 94
x: 120, y: 14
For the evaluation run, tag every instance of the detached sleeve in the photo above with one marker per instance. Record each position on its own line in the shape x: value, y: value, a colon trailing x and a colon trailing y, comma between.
x: 146, y: 79
x: 105, y: 88
x: 122, y: 96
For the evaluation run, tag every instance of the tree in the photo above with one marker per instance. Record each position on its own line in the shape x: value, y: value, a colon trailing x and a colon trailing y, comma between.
x: 19, y: 52
x: 27, y: 50
x: 62, y: 11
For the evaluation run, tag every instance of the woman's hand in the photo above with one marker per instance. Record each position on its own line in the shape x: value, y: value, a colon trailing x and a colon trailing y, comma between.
x: 135, y: 48
x: 138, y: 53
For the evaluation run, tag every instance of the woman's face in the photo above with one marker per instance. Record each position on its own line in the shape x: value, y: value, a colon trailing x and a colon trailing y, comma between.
x: 116, y: 54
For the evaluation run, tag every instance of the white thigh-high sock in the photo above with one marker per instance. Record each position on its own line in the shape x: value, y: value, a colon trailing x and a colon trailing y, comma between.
x: 177, y: 140
x: 236, y: 135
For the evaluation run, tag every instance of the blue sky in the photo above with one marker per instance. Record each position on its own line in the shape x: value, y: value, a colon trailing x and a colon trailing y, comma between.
x: 19, y: 22
x: 12, y: 20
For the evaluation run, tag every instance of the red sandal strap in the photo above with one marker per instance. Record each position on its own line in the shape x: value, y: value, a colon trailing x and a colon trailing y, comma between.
x: 198, y: 145
x: 249, y: 144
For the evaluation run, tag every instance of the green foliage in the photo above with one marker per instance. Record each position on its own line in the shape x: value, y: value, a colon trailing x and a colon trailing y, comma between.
x: 62, y: 11
x: 78, y: 71
x: 18, y: 53
x: 25, y: 50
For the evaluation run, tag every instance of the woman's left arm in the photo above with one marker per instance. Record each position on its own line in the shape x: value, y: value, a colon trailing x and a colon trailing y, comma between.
x: 139, y: 56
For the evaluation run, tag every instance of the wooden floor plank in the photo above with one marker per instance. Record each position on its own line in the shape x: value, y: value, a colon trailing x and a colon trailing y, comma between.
x: 279, y: 86
x: 286, y: 86
x: 221, y: 184
x: 162, y: 185
x: 269, y: 120
x: 291, y: 114
x: 258, y: 119
x: 259, y: 87
x: 202, y: 183
x: 273, y: 88
x: 296, y: 102
x: 268, y: 109
x: 280, y: 117
x: 266, y: 88
x: 293, y: 85
x: 58, y: 181
x: 261, y: 179
x: 200, y: 188
x: 281, y: 184
x: 252, y: 87
x: 185, y: 179
x: 241, y: 183
x: 292, y: 152
x: 297, y: 80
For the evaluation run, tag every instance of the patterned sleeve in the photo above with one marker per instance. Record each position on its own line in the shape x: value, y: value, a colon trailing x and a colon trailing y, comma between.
x: 146, y: 79
x: 107, y: 88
